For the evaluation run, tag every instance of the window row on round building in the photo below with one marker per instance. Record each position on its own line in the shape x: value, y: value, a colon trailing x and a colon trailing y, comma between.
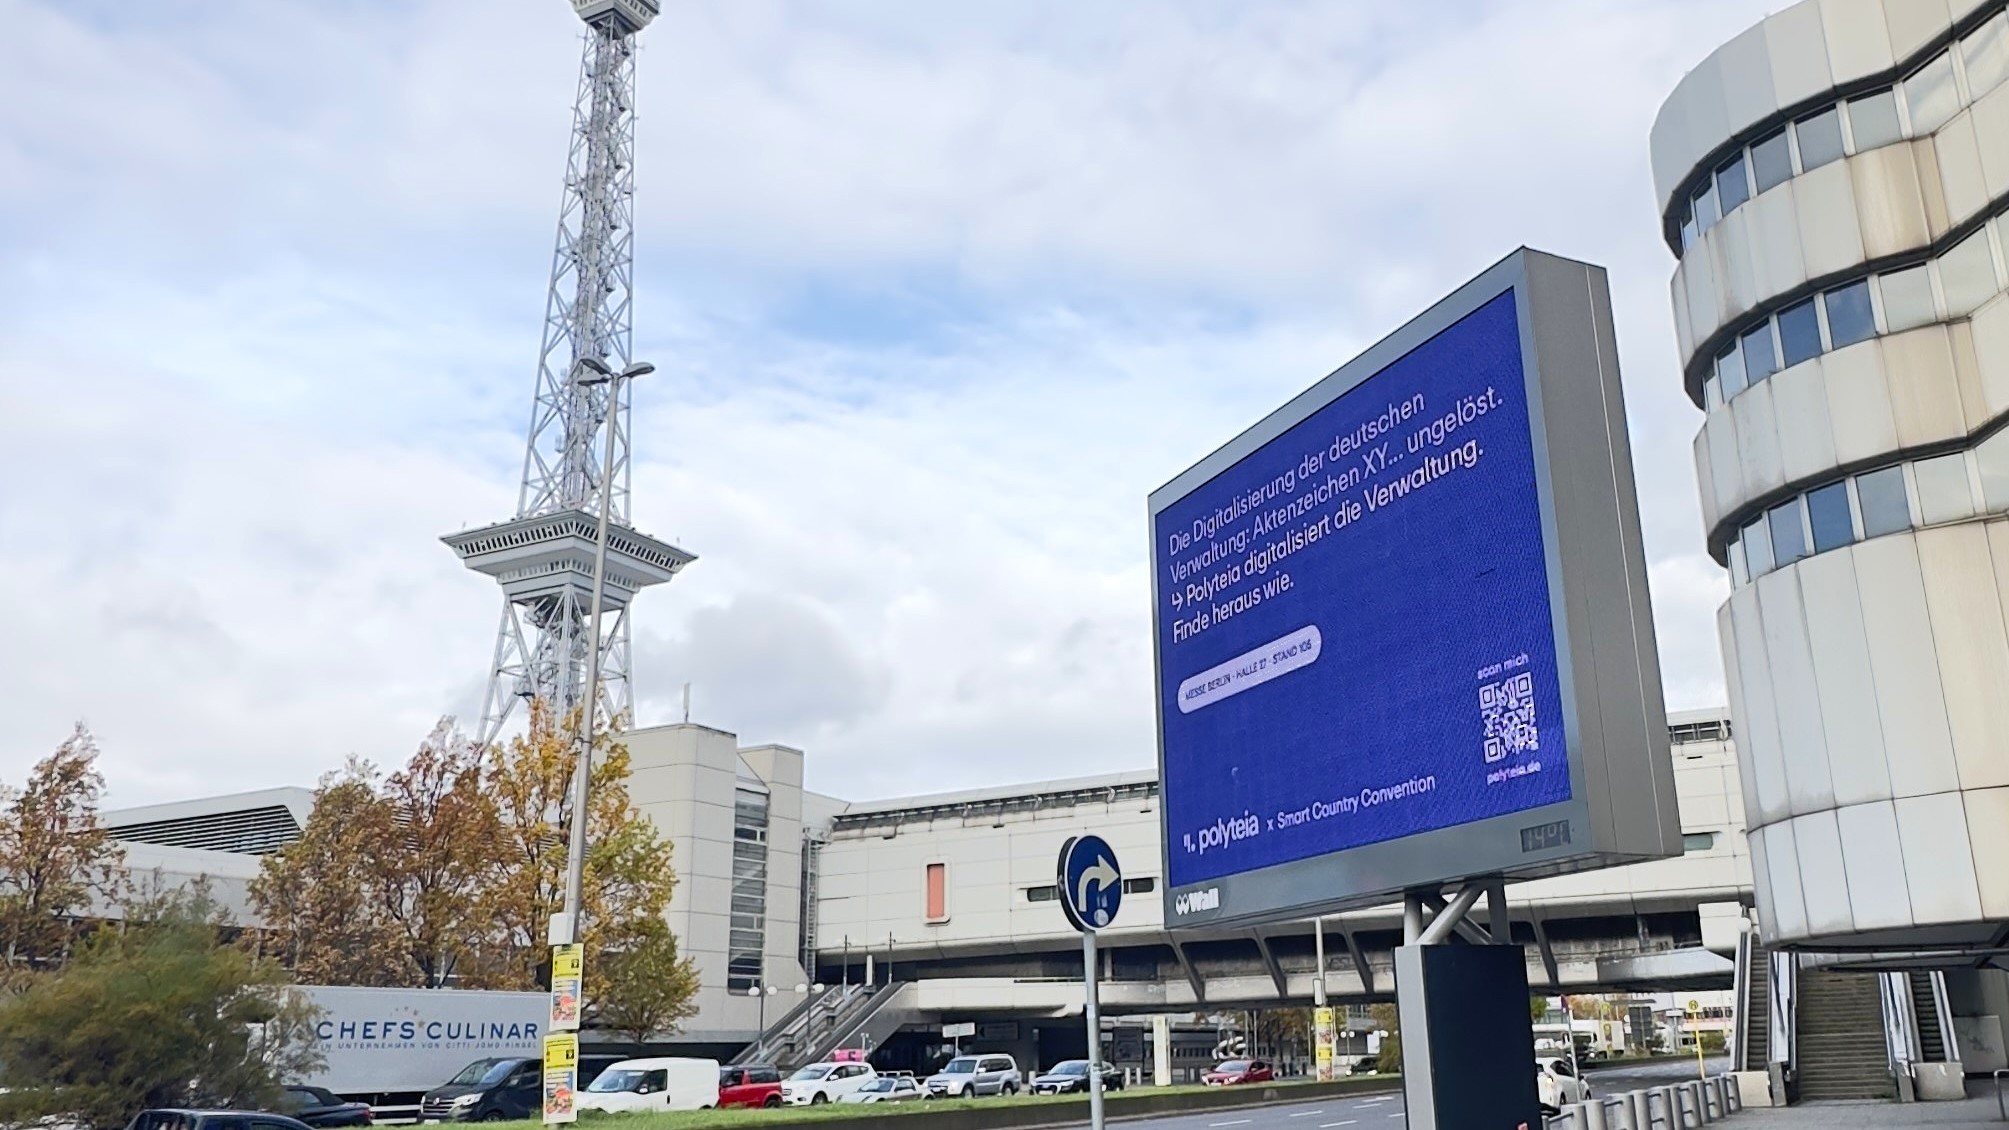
x: 1950, y: 287
x: 1903, y: 496
x: 1914, y: 107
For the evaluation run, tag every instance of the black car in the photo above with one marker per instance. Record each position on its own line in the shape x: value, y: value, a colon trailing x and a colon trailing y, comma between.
x: 317, y: 1106
x: 488, y: 1090
x: 176, y: 1119
x: 1070, y: 1076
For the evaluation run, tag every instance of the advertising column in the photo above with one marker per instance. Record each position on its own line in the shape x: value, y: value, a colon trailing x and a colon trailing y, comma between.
x: 561, y: 1043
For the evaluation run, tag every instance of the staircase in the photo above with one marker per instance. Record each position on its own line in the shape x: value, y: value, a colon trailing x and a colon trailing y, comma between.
x: 1840, y: 1043
x: 1931, y: 1043
x: 855, y: 1016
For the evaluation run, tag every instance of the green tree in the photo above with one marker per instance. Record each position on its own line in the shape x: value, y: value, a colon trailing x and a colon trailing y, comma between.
x: 57, y: 863
x: 642, y: 986
x: 1388, y: 1019
x: 159, y: 1012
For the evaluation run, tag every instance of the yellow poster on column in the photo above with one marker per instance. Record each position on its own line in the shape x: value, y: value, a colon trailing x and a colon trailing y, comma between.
x: 1322, y: 1042
x: 568, y: 974
x: 561, y: 1077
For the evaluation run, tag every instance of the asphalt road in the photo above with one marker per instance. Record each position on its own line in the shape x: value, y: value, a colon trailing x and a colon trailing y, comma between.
x: 1385, y: 1111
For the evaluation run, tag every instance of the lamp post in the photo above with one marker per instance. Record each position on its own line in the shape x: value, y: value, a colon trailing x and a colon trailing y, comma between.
x: 587, y: 372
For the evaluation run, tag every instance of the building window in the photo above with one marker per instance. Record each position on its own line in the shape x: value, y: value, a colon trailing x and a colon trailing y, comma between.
x: 1907, y: 298
x: 1886, y: 509
x: 1730, y: 370
x: 1772, y: 160
x: 1967, y: 275
x: 1820, y: 138
x: 1732, y: 188
x: 1799, y: 334
x: 1828, y: 514
x: 1932, y: 96
x: 1986, y: 55
x: 1760, y: 359
x: 1047, y: 893
x: 1758, y: 547
x: 1873, y: 121
x: 1992, y: 457
x: 1697, y: 841
x: 1789, y: 538
x: 1139, y: 886
x: 1850, y: 318
x: 937, y: 887
x: 1943, y: 491
x: 746, y: 939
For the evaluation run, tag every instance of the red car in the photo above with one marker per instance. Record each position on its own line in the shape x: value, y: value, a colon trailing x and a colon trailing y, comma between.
x: 758, y: 1085
x: 1236, y: 1071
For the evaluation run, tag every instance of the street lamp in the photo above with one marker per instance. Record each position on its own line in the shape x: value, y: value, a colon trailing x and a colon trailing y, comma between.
x: 586, y: 373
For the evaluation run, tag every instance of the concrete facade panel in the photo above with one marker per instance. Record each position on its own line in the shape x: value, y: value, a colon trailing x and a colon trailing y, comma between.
x: 1725, y: 466
x: 1765, y: 891
x: 1798, y: 51
x: 1859, y: 402
x: 1888, y: 200
x: 1857, y: 38
x: 1782, y: 859
x: 1829, y: 230
x: 1806, y: 433
x: 1855, y: 747
x: 1802, y: 739
x: 1988, y: 830
x: 1780, y: 262
x: 1960, y: 175
x: 1762, y: 467
x: 1991, y: 351
x: 1758, y: 728
x: 1736, y: 273
x: 1968, y: 632
x: 1991, y: 137
x: 1924, y: 389
x: 1938, y: 858
x: 1823, y: 877
x: 1918, y: 744
x: 1914, y: 23
x: 1875, y: 859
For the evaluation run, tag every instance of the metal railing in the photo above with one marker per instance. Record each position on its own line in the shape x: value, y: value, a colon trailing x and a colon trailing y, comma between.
x: 1680, y: 1106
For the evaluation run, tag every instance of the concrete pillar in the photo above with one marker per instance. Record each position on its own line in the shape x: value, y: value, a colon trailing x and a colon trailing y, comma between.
x: 1161, y: 1051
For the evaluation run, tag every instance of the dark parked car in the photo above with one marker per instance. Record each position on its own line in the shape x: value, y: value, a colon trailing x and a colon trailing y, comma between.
x: 316, y: 1106
x: 488, y: 1090
x: 176, y: 1119
x: 1236, y: 1071
x: 1070, y: 1076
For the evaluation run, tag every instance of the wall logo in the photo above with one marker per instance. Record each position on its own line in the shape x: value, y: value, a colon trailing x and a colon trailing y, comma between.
x: 1194, y: 901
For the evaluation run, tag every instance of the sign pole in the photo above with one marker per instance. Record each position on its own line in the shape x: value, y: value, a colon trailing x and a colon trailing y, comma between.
x: 1094, y: 1011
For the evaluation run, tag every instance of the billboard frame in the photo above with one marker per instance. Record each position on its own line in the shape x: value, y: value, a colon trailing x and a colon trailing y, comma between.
x: 1622, y: 804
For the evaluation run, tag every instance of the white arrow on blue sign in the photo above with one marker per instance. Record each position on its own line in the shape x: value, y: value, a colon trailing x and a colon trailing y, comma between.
x: 1091, y: 884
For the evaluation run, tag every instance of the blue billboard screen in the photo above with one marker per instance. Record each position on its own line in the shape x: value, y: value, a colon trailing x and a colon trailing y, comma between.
x: 1354, y: 629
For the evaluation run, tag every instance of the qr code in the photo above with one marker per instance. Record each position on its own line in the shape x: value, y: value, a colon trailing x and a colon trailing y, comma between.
x: 1508, y: 710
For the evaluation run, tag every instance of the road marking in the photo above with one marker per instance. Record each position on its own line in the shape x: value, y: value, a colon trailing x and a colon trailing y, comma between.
x: 1236, y: 1122
x: 1330, y: 1125
x: 1397, y: 1114
x: 1306, y: 1113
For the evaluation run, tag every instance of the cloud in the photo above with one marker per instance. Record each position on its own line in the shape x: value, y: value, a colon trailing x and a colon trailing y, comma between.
x: 937, y: 295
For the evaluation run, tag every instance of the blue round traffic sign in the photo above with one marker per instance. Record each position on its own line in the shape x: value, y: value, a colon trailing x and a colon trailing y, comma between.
x: 1091, y: 884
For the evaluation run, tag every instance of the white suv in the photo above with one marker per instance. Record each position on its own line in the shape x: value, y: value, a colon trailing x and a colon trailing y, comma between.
x: 968, y: 1076
x: 820, y: 1083
x: 1557, y: 1085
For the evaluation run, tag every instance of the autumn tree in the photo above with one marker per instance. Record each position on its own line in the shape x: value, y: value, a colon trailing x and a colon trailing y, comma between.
x: 317, y: 896
x: 628, y: 879
x: 57, y: 862
x: 441, y: 837
x: 642, y: 985
x: 384, y: 883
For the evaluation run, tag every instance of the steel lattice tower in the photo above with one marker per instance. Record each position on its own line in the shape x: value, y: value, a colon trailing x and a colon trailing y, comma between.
x: 543, y: 557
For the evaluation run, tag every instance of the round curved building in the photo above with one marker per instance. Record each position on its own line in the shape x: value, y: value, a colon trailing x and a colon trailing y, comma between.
x: 1834, y: 184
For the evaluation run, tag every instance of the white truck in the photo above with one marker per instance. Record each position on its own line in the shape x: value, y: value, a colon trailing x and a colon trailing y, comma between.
x: 387, y: 1047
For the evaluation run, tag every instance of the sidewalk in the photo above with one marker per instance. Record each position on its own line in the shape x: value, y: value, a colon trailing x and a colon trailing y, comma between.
x: 1978, y: 1112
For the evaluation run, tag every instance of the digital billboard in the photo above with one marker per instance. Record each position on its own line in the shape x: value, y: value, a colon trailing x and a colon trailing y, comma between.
x: 1375, y: 614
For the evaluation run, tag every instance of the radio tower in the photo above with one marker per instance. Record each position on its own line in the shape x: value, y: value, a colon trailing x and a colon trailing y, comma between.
x: 543, y: 557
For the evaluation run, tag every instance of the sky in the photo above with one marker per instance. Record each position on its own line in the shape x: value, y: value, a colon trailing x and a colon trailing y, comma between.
x: 938, y: 294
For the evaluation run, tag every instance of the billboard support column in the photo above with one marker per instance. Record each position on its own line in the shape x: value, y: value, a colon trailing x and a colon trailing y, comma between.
x: 1463, y: 1009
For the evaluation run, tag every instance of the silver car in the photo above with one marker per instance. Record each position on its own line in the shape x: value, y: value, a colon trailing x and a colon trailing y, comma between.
x: 968, y: 1076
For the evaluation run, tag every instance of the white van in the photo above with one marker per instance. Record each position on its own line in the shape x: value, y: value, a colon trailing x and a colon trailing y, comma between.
x: 653, y: 1085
